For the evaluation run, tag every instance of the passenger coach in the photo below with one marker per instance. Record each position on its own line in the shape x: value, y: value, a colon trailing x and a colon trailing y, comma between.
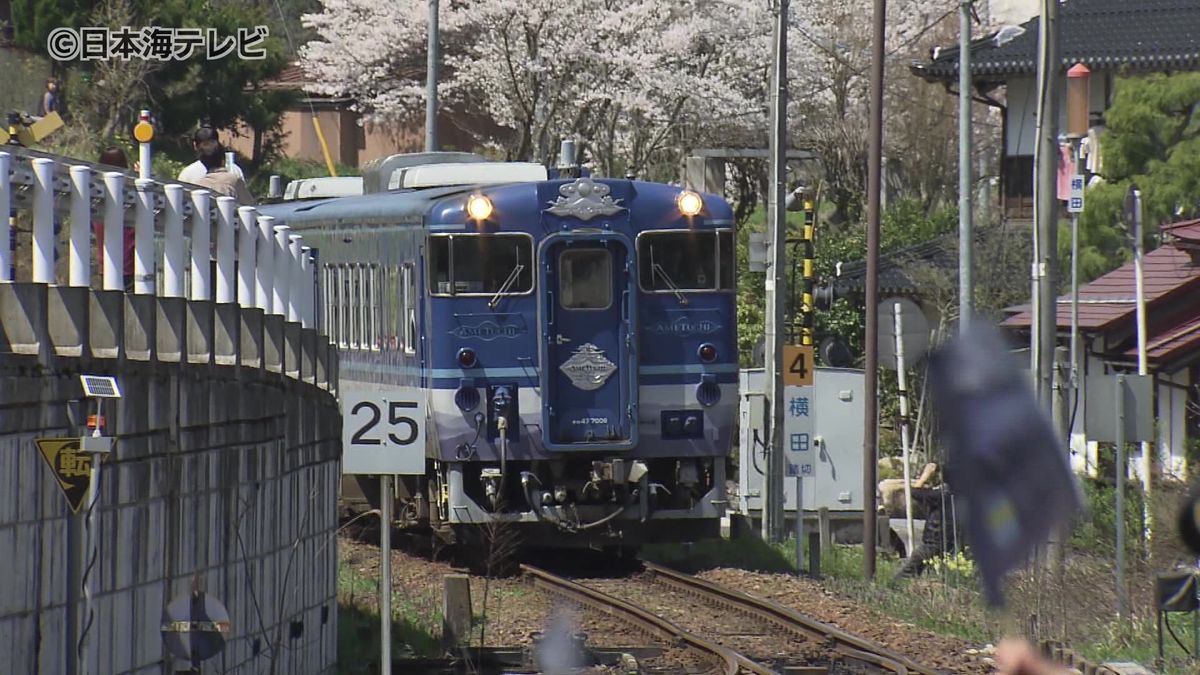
x: 559, y: 354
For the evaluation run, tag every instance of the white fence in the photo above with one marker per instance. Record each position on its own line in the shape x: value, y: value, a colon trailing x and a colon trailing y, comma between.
x: 258, y: 263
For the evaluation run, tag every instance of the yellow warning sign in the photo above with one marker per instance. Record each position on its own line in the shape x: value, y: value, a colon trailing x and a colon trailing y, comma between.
x: 143, y: 132
x: 72, y: 468
x: 797, y: 365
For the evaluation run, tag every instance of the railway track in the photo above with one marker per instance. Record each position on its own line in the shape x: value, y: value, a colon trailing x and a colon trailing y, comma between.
x: 848, y: 648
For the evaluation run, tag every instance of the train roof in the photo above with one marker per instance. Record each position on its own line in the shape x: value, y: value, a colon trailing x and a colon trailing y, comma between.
x: 380, y: 208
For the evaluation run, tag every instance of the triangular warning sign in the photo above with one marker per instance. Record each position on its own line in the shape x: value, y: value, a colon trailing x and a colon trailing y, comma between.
x: 72, y: 469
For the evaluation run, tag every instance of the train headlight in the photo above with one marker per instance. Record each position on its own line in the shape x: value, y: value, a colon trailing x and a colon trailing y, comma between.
x: 467, y: 358
x: 479, y: 207
x: 689, y: 203
x: 707, y: 352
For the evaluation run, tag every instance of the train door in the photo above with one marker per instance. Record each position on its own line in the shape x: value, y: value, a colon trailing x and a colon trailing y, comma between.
x: 589, y: 365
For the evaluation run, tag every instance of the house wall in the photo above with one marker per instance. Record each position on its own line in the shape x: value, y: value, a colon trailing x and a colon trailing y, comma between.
x: 350, y: 144
x: 1172, y: 428
x: 1010, y: 12
x: 1020, y: 119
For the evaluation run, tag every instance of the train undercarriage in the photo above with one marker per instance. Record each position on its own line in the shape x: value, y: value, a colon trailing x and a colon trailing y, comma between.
x: 560, y: 503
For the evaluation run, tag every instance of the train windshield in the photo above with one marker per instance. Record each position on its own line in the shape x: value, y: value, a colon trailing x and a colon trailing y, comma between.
x: 481, y: 264
x: 684, y: 260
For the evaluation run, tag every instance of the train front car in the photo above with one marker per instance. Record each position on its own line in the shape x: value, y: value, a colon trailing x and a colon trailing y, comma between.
x: 583, y: 350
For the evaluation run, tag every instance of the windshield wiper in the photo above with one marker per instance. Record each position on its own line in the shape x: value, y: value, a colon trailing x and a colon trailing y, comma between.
x: 658, y: 269
x: 512, y: 279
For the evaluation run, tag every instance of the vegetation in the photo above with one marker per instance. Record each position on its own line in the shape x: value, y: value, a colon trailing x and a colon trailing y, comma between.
x: 1152, y: 141
x: 103, y: 97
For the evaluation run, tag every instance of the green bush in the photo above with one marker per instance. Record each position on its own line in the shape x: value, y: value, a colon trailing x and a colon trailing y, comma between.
x: 1096, y: 531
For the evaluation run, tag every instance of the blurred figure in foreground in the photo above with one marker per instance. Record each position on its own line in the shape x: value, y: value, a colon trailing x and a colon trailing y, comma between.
x: 1018, y: 657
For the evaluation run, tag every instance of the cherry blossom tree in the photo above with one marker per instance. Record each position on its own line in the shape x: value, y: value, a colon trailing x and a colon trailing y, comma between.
x: 637, y: 82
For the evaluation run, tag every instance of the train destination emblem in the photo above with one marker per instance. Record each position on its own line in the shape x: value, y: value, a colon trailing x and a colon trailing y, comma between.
x: 588, y: 368
x: 584, y: 199
x: 487, y: 331
x: 684, y: 326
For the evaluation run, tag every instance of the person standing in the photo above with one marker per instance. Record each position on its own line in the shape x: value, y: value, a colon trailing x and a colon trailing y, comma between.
x: 49, y: 102
x: 209, y: 154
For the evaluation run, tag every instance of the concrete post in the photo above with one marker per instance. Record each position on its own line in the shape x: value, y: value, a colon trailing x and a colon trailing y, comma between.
x: 201, y: 231
x: 296, y: 292
x: 283, y: 271
x: 143, y: 239
x: 43, y: 221
x: 226, y: 238
x: 173, y: 235
x: 266, y: 256
x: 114, y: 231
x: 6, y: 261
x: 456, y: 610
x: 246, y: 272
x: 81, y: 222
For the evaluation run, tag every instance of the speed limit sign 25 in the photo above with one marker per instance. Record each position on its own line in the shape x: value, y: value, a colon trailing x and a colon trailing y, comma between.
x: 383, y: 431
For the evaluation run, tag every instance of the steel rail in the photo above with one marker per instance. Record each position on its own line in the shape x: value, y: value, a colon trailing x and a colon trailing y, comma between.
x: 845, y: 643
x: 621, y: 610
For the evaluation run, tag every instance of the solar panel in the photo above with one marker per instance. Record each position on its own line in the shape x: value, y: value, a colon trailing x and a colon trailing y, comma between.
x: 100, y: 386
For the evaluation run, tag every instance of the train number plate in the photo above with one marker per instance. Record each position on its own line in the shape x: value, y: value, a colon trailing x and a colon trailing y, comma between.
x: 383, y: 430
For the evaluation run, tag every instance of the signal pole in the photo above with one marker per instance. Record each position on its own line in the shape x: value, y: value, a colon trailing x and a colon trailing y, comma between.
x: 431, y: 80
x: 966, y: 287
x: 871, y: 385
x: 1046, y: 198
x: 772, y: 523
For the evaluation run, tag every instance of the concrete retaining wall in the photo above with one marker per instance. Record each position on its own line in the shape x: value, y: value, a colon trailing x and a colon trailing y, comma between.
x: 223, y: 476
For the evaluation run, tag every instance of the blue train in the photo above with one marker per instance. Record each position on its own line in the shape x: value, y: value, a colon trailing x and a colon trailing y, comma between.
x: 554, y: 353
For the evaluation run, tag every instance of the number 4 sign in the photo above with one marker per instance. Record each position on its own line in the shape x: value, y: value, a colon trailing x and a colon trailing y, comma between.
x: 383, y: 431
x: 797, y: 366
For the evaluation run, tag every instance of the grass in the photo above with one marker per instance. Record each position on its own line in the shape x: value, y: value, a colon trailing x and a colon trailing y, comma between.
x: 416, y: 630
x: 1075, y: 608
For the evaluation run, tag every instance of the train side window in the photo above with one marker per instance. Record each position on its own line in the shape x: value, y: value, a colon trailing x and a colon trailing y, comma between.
x: 410, y: 309
x: 585, y: 278
x: 439, y: 264
x: 726, y: 257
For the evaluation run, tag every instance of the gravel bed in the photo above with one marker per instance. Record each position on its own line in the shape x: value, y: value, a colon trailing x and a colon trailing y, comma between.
x: 515, y: 609
x: 808, y: 596
x: 754, y: 639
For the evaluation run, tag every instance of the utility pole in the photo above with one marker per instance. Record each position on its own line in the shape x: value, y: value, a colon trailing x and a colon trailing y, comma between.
x: 1143, y: 366
x: 1046, y: 197
x: 431, y: 81
x: 874, y: 182
x: 772, y: 524
x: 966, y: 286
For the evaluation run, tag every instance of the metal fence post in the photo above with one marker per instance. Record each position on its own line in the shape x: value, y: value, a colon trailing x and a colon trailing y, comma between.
x: 226, y: 242
x: 6, y: 253
x: 266, y: 258
x: 283, y: 271
x: 173, y: 238
x: 81, y: 221
x: 247, y: 275
x: 113, y: 258
x: 143, y: 239
x: 200, y: 248
x: 43, y: 221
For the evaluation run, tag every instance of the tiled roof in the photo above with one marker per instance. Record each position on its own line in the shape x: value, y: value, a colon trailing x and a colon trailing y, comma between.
x: 1184, y: 234
x: 1143, y: 35
x: 1110, y: 299
x: 1171, y: 343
